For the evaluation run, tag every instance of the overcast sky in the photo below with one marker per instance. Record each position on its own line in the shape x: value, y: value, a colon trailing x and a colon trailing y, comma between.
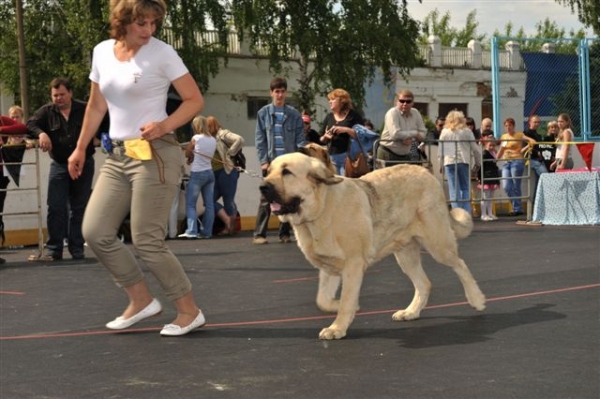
x: 495, y: 14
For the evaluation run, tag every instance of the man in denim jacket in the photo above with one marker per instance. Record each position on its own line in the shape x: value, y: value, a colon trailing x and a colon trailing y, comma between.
x: 279, y: 130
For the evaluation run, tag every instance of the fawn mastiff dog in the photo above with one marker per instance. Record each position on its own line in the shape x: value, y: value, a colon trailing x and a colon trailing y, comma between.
x: 344, y: 225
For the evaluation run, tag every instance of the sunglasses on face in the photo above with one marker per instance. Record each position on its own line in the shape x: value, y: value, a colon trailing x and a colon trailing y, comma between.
x: 403, y: 101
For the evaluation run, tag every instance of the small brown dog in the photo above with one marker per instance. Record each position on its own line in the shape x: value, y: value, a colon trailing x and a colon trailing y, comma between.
x: 317, y: 151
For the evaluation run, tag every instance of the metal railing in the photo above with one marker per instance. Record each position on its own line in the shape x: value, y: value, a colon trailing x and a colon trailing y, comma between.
x: 457, y: 57
x: 38, y: 194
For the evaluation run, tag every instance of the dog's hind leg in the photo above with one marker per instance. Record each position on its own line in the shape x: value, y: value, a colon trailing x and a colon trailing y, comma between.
x: 352, y: 278
x: 445, y: 251
x: 328, y: 287
x: 409, y: 259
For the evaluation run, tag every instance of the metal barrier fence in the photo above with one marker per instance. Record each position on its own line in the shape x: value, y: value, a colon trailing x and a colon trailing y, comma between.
x: 478, y: 180
x: 561, y: 76
x: 36, y: 189
x: 433, y: 151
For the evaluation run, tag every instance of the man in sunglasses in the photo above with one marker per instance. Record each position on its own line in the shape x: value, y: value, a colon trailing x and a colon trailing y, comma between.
x: 403, y: 125
x: 434, y: 134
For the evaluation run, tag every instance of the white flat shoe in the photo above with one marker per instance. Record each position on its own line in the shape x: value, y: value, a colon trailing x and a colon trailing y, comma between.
x: 173, y: 330
x: 120, y: 323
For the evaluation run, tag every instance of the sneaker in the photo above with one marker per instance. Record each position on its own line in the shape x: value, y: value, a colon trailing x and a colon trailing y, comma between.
x: 187, y: 235
x: 259, y: 240
x: 285, y: 239
x: 486, y: 218
x: 493, y: 217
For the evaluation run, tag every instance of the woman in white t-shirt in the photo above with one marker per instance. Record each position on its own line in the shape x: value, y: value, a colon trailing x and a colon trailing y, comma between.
x: 563, y: 153
x: 131, y: 75
x: 199, y: 153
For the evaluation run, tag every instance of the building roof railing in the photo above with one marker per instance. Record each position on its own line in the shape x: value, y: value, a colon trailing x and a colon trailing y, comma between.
x: 432, y: 54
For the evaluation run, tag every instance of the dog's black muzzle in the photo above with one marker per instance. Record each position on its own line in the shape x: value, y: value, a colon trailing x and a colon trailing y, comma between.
x: 277, y: 206
x: 267, y: 191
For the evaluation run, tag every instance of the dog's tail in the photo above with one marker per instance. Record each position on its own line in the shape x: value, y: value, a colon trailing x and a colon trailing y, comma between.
x: 462, y: 223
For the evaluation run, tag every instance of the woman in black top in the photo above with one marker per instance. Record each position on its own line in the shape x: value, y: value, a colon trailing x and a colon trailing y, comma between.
x: 338, y: 127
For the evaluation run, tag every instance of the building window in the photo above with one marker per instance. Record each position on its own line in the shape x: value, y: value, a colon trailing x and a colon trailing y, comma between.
x: 256, y: 103
x: 423, y: 108
x: 445, y: 108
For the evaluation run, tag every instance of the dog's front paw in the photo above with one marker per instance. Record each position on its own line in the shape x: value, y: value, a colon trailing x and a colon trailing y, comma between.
x: 477, y: 300
x: 331, y: 333
x: 404, y: 314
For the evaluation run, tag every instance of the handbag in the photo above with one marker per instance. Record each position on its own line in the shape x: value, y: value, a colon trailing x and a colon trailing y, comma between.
x: 239, y: 160
x: 359, y: 166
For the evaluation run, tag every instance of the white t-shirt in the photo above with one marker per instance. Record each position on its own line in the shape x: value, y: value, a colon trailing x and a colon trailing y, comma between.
x: 135, y: 90
x: 204, y: 150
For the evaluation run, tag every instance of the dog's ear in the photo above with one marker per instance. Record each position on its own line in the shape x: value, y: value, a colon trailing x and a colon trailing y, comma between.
x: 304, y: 150
x: 320, y: 174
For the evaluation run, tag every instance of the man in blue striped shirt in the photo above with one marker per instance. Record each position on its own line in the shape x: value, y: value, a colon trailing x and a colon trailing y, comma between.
x: 279, y: 130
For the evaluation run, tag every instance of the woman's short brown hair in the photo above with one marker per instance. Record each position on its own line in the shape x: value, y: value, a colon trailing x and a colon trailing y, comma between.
x: 125, y: 12
x: 510, y: 121
x: 344, y: 97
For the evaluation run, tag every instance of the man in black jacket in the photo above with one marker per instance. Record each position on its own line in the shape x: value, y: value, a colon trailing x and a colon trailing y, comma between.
x: 537, y: 163
x: 57, y: 126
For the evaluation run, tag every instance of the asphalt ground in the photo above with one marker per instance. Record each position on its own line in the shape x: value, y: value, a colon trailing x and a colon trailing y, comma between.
x: 538, y: 338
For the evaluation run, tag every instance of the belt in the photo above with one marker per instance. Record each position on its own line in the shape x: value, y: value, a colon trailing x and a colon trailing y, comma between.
x: 117, y: 148
x: 405, y: 156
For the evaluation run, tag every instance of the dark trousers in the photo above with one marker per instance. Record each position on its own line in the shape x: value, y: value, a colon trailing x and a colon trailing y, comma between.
x: 67, y: 200
x: 3, y: 184
x: 391, y: 157
x: 262, y: 221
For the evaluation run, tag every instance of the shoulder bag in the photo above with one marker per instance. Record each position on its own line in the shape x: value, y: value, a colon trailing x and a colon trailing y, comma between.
x: 359, y: 166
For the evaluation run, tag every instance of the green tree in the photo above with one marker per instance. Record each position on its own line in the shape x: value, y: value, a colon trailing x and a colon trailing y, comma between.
x: 60, y: 36
x: 335, y: 43
x: 588, y: 12
x: 57, y: 43
x: 566, y: 42
x: 186, y: 27
x: 433, y: 24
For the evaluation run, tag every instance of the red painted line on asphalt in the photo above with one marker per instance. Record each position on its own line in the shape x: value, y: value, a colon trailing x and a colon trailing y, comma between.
x: 292, y: 319
x: 11, y: 293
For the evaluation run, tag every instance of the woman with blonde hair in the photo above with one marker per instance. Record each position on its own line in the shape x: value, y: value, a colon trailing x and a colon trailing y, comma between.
x: 199, y: 153
x: 131, y: 75
x: 226, y: 173
x: 338, y: 127
x: 563, y: 160
x: 459, y: 150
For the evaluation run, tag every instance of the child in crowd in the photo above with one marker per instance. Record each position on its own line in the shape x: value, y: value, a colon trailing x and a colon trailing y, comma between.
x: 490, y: 182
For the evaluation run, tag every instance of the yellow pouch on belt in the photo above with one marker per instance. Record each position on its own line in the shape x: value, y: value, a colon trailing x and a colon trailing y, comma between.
x: 138, y: 149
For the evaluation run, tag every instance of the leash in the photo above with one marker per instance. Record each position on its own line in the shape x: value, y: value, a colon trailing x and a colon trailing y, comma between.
x: 241, y: 170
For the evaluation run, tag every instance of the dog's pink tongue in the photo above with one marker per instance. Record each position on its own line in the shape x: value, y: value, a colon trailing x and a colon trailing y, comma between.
x: 275, y: 207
